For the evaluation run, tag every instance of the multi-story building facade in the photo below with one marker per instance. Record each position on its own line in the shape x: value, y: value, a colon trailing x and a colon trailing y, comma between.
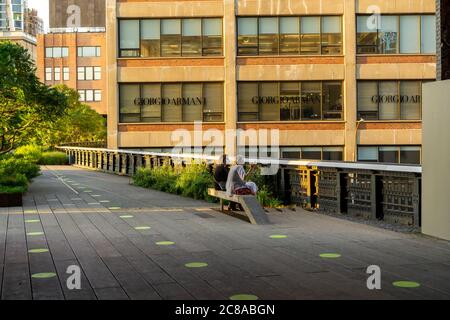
x: 78, y: 60
x: 339, y: 79
x: 17, y: 24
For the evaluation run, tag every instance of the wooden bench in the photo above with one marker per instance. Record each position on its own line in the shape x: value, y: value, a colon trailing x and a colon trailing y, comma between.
x: 253, y: 210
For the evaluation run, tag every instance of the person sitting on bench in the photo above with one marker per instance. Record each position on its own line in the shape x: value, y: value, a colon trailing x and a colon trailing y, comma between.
x: 221, y: 174
x: 236, y: 180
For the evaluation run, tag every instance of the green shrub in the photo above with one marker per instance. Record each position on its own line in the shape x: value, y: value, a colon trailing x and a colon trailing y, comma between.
x: 12, y: 166
x: 53, y: 158
x: 161, y: 178
x: 10, y: 190
x: 29, y: 152
x: 17, y: 183
x: 266, y: 199
x: 194, y: 181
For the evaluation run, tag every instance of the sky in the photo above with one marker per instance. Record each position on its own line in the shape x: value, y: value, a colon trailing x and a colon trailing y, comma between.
x: 42, y: 7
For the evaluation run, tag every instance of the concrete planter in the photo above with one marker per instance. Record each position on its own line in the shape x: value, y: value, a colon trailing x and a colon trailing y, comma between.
x: 10, y: 199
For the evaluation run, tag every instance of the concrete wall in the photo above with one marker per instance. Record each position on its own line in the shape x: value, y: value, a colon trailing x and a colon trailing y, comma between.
x: 436, y: 160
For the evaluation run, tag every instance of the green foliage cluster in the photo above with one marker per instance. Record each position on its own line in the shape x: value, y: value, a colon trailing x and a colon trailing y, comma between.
x: 15, y: 174
x: 266, y: 189
x: 32, y: 112
x: 190, y: 181
x: 40, y: 155
x: 53, y: 158
x: 26, y: 104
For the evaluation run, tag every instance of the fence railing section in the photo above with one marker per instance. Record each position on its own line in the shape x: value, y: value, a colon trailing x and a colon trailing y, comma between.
x: 373, y: 191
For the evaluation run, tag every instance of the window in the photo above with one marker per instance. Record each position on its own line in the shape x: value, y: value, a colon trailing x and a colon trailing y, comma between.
x: 393, y: 34
x: 311, y: 93
x: 331, y: 35
x: 312, y: 153
x: 388, y: 35
x: 212, y: 37
x: 56, y: 52
x: 247, y: 36
x: 150, y: 39
x: 97, y: 95
x: 66, y: 74
x: 48, y: 74
x: 80, y: 73
x: 97, y: 73
x: 89, y: 51
x: 428, y: 34
x: 82, y: 95
x: 129, y: 38
x: 171, y: 102
x: 310, y: 35
x: 57, y: 74
x: 192, y: 37
x: 367, y: 34
x: 89, y: 73
x: 214, y: 102
x: 390, y: 154
x: 171, y: 38
x: 90, y: 95
x: 290, y: 101
x: 390, y: 100
x: 332, y: 100
x: 410, y: 31
x: 290, y: 35
x: 268, y: 36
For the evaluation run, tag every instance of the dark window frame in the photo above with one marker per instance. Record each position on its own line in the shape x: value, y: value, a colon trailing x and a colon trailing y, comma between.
x: 321, y: 45
x: 399, y: 104
x: 141, y: 85
x: 138, y: 51
x: 301, y: 119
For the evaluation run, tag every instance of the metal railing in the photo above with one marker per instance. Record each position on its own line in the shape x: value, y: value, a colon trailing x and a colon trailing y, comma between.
x: 371, y: 190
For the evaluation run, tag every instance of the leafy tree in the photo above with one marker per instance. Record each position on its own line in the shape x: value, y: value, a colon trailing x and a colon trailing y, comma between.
x: 80, y: 123
x: 26, y: 104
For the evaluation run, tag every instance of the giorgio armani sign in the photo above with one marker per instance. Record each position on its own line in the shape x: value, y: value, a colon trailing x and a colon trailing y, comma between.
x: 308, y: 99
x: 194, y: 101
x: 396, y: 99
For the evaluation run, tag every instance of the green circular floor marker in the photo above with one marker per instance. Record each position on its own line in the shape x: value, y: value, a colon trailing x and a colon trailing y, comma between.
x: 37, y: 250
x: 244, y: 297
x: 278, y: 236
x: 330, y: 255
x: 114, y: 208
x: 406, y: 284
x: 33, y: 221
x: 35, y: 233
x: 143, y: 228
x: 44, y: 275
x: 165, y: 243
x: 128, y: 216
x: 196, y: 265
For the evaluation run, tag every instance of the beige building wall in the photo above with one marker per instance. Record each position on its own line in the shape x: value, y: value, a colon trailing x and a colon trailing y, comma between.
x: 436, y: 160
x: 348, y: 67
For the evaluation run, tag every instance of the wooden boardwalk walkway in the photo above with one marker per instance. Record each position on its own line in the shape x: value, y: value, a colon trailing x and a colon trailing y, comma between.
x: 133, y: 243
